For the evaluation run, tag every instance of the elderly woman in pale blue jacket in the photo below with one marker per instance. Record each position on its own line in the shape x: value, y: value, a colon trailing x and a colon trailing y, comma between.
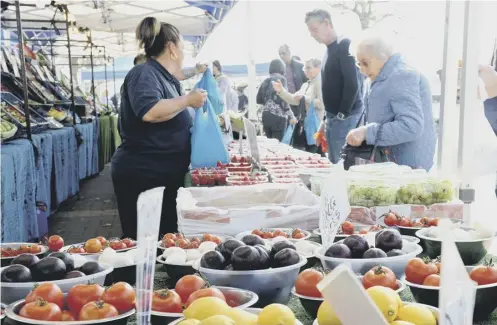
x: 399, y: 115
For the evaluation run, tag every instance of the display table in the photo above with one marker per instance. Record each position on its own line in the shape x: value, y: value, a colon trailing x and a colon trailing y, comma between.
x: 104, y: 141
x: 18, y: 181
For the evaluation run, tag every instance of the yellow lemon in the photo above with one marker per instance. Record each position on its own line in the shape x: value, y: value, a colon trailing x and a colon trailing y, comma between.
x: 276, y: 314
x: 218, y: 320
x: 242, y: 317
x: 386, y: 300
x: 189, y: 322
x: 206, y: 307
x: 417, y: 314
x: 401, y: 322
x: 326, y: 315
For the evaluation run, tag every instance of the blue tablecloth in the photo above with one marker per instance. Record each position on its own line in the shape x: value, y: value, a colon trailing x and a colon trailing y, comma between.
x: 65, y: 163
x: 86, y: 150
x: 19, y: 222
x: 43, y: 173
x: 96, y: 134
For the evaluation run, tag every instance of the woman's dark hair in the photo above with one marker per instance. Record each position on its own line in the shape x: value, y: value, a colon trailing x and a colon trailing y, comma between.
x: 154, y: 36
x: 277, y: 66
x: 217, y: 65
x: 139, y: 59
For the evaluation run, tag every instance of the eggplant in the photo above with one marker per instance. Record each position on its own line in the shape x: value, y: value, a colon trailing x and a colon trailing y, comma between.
x: 389, y: 239
x: 48, y: 269
x: 226, y: 248
x: 246, y: 258
x: 281, y: 245
x: 285, y: 257
x: 358, y: 245
x: 16, y: 273
x: 252, y: 240
x: 91, y: 267
x: 395, y: 252
x: 74, y: 274
x: 338, y: 250
x: 26, y: 259
x: 66, y: 258
x: 374, y: 253
x: 265, y: 257
x: 213, y: 260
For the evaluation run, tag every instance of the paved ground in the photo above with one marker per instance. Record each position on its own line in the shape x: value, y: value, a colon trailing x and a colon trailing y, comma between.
x: 90, y: 214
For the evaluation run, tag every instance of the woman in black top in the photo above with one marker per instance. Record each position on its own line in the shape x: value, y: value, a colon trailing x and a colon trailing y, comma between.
x: 155, y: 126
x: 276, y: 112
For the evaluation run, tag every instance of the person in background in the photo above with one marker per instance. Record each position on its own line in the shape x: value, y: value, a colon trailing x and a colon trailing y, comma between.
x: 228, y: 94
x: 276, y: 112
x: 242, y: 98
x: 155, y: 127
x: 311, y: 90
x: 398, y: 106
x: 341, y: 82
x: 294, y: 73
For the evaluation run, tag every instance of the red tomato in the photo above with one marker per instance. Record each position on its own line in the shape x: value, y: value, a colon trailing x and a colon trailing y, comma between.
x: 257, y: 232
x: 166, y: 301
x: 188, y: 285
x: 206, y: 292
x: 179, y: 236
x: 348, y: 228
x: 67, y: 316
x: 405, y: 222
x: 306, y: 283
x: 168, y: 243
x: 195, y: 240
x: 194, y: 244
x: 117, y: 245
x: 278, y: 233
x: 433, y: 222
x: 391, y: 219
x: 55, y: 243
x: 129, y: 242
x: 81, y: 294
x: 102, y: 240
x: 34, y: 249
x: 97, y: 310
x: 484, y: 274
x: 363, y: 231
x: 418, y: 269
x: 380, y: 276
x: 216, y: 239
x: 47, y: 291
x: 299, y: 235
x: 432, y: 280
x: 183, y: 243
x: 425, y: 221
x: 120, y: 295
x: 76, y: 250
x: 41, y: 310
x: 169, y: 236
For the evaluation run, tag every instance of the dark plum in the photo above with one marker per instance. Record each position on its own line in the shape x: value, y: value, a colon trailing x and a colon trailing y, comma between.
x: 285, y: 257
x: 265, y: 258
x: 252, y: 240
x: 247, y: 258
x: 389, y: 239
x: 338, y: 250
x: 74, y: 274
x: 226, y: 248
x: 91, y: 267
x: 281, y: 245
x: 358, y: 245
x: 213, y: 260
x: 16, y: 273
x: 374, y: 253
x: 66, y: 258
x: 395, y: 252
x: 26, y: 259
x: 48, y: 269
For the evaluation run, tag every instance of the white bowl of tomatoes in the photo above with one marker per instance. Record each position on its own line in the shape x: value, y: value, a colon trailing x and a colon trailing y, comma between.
x: 271, y: 233
x: 192, y: 241
x: 94, y: 247
x: 10, y: 251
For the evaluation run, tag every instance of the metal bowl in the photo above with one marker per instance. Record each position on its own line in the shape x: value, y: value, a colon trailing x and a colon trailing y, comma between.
x: 13, y: 309
x: 434, y: 311
x: 471, y: 251
x: 4, y: 261
x: 271, y: 285
x: 485, y: 302
x: 175, y: 271
x: 239, y: 298
x: 15, y: 291
x: 250, y: 310
x: 222, y: 237
x: 307, y: 234
x: 362, y: 265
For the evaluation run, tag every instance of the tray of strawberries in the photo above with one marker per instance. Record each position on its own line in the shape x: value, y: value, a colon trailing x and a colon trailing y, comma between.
x: 246, y: 180
x: 209, y: 176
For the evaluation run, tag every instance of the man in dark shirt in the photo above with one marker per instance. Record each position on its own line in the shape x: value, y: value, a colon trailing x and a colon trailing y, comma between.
x: 295, y: 76
x: 341, y: 82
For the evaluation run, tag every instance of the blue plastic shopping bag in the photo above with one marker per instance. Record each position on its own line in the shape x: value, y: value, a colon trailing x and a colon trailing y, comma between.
x: 207, y: 139
x: 311, y: 124
x: 209, y: 84
x: 287, y: 137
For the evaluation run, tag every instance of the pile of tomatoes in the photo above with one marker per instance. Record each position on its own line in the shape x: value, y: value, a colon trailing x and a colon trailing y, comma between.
x: 347, y: 228
x: 395, y: 219
x: 269, y: 234
x: 84, y: 302
x: 188, y: 289
x: 179, y: 240
x: 13, y: 252
x: 97, y: 245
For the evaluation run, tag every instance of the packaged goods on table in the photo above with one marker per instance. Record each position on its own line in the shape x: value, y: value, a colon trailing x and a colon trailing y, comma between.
x: 209, y: 176
x: 246, y: 180
x: 236, y: 209
x: 372, y: 192
x: 425, y: 191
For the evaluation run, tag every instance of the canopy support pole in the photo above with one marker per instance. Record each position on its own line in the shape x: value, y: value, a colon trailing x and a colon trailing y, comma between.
x: 20, y: 39
x: 73, y: 106
x: 93, y: 80
x: 114, y: 78
x: 252, y: 104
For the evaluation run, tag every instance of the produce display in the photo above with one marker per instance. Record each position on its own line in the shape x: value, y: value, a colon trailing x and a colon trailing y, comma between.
x: 98, y: 244
x: 7, y: 129
x: 306, y: 283
x: 84, y: 302
x: 426, y: 193
x: 187, y: 256
x: 394, y: 219
x: 370, y: 195
x: 179, y: 240
x: 249, y: 174
x: 13, y: 251
x: 209, y: 176
x: 275, y: 233
x: 246, y: 180
x: 380, y: 276
x: 348, y: 228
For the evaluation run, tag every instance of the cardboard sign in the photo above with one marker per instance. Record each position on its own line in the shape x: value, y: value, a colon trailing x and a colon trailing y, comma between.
x: 252, y: 139
x: 335, y: 206
x: 348, y: 299
x: 457, y: 290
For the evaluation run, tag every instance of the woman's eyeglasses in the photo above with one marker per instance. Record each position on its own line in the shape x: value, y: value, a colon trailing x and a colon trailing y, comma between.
x: 362, y: 63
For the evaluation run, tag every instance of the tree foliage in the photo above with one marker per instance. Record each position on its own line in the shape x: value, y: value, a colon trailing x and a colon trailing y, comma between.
x: 366, y: 10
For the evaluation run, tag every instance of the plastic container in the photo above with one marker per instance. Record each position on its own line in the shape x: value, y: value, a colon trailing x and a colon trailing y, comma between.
x: 271, y: 163
x: 243, y: 298
x: 372, y: 192
x: 425, y: 190
x: 288, y: 181
x: 16, y: 291
x: 271, y: 285
x: 255, y: 173
x: 306, y: 233
x: 7, y: 260
x: 317, y: 183
x: 91, y: 256
x: 361, y: 266
x: 243, y: 181
x: 239, y: 167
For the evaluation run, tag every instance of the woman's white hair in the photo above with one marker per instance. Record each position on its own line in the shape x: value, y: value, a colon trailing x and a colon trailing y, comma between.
x: 380, y: 47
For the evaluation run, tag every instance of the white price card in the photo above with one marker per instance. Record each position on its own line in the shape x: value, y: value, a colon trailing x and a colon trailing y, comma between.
x: 457, y: 290
x: 252, y: 139
x: 349, y: 300
x: 335, y: 207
